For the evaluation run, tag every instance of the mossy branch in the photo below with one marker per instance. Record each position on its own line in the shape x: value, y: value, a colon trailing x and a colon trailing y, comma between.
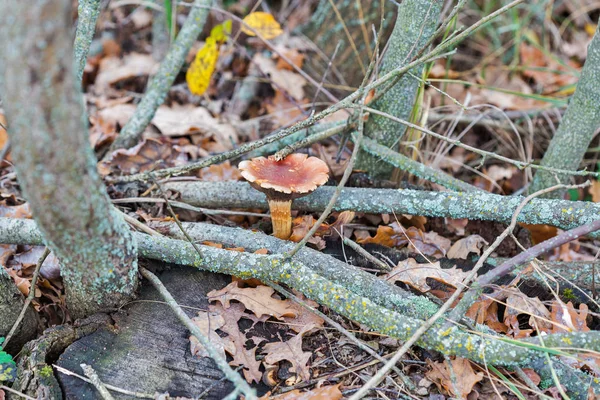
x: 480, y: 347
x: 563, y: 214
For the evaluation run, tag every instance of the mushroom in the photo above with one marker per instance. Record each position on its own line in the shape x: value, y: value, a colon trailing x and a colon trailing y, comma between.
x: 295, y: 176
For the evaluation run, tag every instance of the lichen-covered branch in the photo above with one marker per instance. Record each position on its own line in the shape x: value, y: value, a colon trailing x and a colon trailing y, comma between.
x: 475, y: 205
x: 54, y: 161
x: 484, y: 347
x: 578, y: 126
x: 87, y: 11
x: 20, y: 231
x: 414, y: 167
x: 415, y: 24
x: 161, y: 82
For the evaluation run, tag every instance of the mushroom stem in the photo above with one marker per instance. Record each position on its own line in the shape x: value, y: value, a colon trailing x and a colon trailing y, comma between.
x: 281, y: 218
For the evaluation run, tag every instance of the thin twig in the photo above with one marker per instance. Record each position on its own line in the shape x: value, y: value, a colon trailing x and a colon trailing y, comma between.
x: 468, y: 299
x: 109, y: 387
x: 360, y: 250
x: 455, y: 315
x: 95, y: 379
x: 342, y: 330
x: 29, y: 299
x: 13, y: 391
x: 343, y: 104
x: 458, y: 143
x: 221, y: 362
x: 185, y: 206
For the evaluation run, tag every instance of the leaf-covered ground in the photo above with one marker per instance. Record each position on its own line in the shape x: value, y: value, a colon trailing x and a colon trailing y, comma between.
x: 502, y: 91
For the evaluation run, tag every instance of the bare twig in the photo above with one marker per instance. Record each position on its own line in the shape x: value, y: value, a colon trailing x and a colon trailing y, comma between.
x: 458, y: 312
x: 109, y: 387
x: 95, y: 380
x: 461, y: 308
x: 29, y: 298
x: 221, y: 362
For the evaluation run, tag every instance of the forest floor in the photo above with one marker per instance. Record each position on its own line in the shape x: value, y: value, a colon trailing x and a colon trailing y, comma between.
x: 502, y: 91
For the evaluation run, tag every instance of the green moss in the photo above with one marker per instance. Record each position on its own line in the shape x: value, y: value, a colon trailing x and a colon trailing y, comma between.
x: 46, y: 371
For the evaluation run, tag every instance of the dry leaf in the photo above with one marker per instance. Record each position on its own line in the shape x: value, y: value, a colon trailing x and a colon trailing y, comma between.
x: 291, y: 82
x: 416, y: 275
x: 485, y: 311
x: 220, y: 172
x: 567, y: 317
x: 518, y: 303
x: 113, y: 70
x: 146, y: 156
x: 461, y: 368
x: 290, y: 350
x: 259, y: 300
x: 545, y: 70
x: 263, y: 23
x: 209, y: 322
x: 463, y: 247
x: 595, y: 191
x: 320, y: 393
x: 242, y: 356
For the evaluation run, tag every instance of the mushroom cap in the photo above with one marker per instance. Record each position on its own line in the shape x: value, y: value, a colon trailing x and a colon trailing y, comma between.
x: 295, y: 175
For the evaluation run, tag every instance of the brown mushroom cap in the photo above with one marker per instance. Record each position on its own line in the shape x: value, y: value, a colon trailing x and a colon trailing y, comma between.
x: 294, y: 176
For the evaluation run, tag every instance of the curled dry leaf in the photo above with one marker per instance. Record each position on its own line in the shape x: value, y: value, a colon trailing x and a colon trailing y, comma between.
x: 518, y: 303
x: 463, y: 247
x: 146, y: 156
x: 567, y: 318
x: 220, y: 172
x: 395, y: 235
x: 416, y: 275
x: 465, y: 377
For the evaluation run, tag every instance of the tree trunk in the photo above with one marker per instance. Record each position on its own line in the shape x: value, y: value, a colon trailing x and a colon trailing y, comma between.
x: 415, y: 24
x: 577, y: 128
x: 54, y: 161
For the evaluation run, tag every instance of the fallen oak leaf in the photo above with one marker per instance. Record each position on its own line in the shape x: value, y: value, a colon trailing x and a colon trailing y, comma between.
x: 414, y: 274
x: 466, y: 378
x: 259, y: 300
x: 465, y: 246
x: 290, y: 350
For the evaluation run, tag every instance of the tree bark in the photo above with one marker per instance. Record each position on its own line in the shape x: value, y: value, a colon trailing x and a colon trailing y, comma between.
x: 577, y: 128
x: 415, y: 24
x: 54, y: 161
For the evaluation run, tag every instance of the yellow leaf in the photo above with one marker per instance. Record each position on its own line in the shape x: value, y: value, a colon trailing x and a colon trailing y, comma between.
x: 221, y: 31
x: 201, y: 69
x: 590, y: 29
x: 263, y: 23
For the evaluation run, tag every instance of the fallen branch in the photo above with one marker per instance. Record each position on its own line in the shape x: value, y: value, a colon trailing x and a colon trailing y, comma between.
x: 483, y: 347
x: 563, y: 214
